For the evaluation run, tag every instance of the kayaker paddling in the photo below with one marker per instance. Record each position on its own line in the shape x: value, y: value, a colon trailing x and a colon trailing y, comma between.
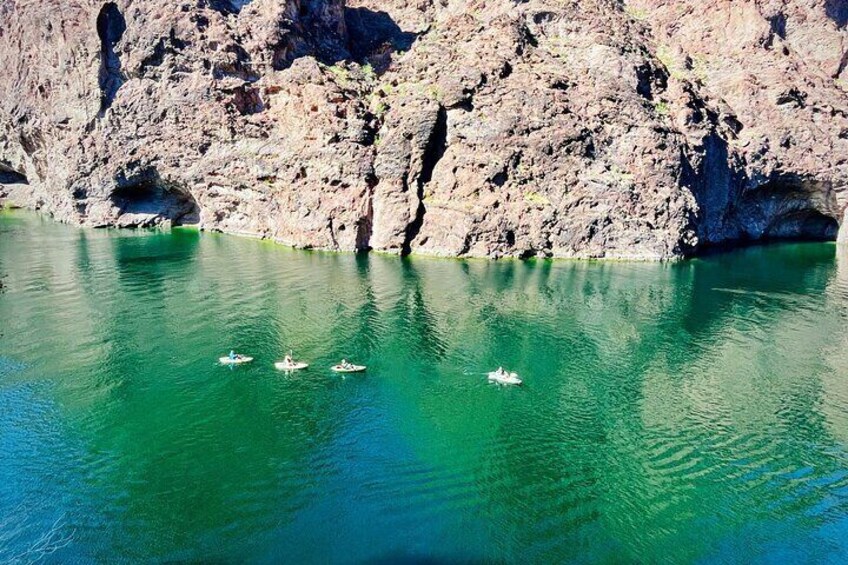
x: 289, y: 364
x: 347, y: 367
x: 234, y: 358
x: 504, y: 377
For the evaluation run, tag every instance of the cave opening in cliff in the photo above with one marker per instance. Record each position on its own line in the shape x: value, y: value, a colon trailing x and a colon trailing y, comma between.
x: 797, y: 226
x: 802, y: 225
x: 9, y: 175
x: 111, y: 26
x: 789, y: 207
x: 773, y: 218
x: 151, y: 202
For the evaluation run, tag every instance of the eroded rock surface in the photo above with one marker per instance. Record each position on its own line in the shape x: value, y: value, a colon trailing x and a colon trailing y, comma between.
x: 775, y: 72
x: 457, y: 127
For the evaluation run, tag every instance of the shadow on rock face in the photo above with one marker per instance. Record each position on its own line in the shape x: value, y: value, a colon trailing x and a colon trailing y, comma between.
x: 228, y: 6
x: 433, y: 152
x: 837, y: 10
x: 375, y: 36
x: 111, y: 26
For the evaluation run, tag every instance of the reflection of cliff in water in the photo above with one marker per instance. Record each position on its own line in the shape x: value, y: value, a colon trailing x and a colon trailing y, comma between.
x: 834, y: 355
x: 679, y: 361
x: 675, y: 393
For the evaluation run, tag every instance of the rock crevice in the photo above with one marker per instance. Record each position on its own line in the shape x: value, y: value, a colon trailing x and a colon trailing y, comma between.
x: 111, y: 26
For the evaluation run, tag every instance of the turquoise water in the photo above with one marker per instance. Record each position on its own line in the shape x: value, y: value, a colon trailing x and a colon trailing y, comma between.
x: 695, y: 412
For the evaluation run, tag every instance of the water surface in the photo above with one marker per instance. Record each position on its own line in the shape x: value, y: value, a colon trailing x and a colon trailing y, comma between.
x: 695, y: 412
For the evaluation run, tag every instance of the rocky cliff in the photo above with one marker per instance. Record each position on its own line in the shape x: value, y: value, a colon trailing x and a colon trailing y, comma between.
x: 598, y: 128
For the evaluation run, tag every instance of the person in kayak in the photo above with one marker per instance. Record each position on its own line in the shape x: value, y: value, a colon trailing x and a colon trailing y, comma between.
x: 288, y: 360
x: 233, y: 355
x: 345, y: 365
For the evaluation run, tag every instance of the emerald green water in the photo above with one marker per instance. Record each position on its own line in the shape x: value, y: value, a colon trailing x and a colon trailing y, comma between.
x: 695, y: 412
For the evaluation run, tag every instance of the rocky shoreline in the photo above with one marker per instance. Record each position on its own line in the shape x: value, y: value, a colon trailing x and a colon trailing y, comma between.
x: 639, y: 130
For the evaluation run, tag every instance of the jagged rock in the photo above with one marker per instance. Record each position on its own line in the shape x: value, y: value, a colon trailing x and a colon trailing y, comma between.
x: 642, y: 130
x: 773, y: 72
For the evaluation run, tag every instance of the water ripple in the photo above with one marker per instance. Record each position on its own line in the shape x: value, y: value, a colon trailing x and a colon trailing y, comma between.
x: 668, y: 412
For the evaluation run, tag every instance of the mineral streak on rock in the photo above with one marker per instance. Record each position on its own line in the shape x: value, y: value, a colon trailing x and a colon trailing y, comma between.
x: 644, y: 129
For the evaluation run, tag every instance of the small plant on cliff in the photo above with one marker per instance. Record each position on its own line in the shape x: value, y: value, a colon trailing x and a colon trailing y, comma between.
x: 635, y: 13
x: 386, y: 88
x: 669, y: 61
x: 380, y: 109
x: 661, y: 108
x: 700, y: 67
x: 536, y: 198
x: 341, y: 74
x: 434, y: 92
x: 620, y: 177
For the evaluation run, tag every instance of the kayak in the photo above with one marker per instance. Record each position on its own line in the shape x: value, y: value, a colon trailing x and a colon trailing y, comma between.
x: 504, y: 378
x: 237, y: 361
x: 348, y: 369
x: 283, y: 366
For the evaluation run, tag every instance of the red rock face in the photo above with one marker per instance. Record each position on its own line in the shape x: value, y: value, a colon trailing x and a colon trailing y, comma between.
x: 472, y: 128
x: 775, y: 71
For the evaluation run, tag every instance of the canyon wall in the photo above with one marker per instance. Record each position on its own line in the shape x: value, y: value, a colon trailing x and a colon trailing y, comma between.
x: 645, y: 129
